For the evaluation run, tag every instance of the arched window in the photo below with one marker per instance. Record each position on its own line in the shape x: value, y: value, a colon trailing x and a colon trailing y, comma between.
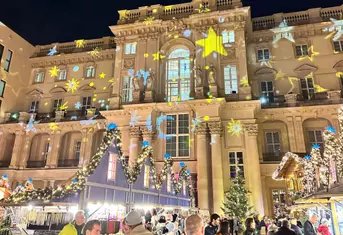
x: 178, y: 75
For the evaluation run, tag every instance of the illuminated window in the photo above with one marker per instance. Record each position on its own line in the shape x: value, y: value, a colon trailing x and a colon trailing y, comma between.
x: 39, y: 78
x: 236, y: 164
x: 307, y: 88
x: 267, y: 90
x: 230, y: 79
x: 177, y: 137
x: 62, y: 76
x: 146, y: 176
x: 301, y: 50
x: 228, y: 36
x: 273, y: 142
x: 315, y: 137
x: 7, y: 62
x: 112, y: 165
x: 2, y: 88
x: 178, y: 75
x: 77, y: 150
x: 130, y: 48
x: 338, y: 46
x: 57, y: 104
x: 90, y: 72
x: 169, y: 188
x: 34, y: 106
x: 127, y: 90
x: 263, y: 54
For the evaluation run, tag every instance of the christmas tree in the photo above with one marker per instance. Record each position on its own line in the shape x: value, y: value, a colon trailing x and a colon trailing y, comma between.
x: 236, y: 202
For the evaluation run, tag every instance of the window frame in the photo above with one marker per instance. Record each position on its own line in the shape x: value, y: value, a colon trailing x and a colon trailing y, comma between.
x: 314, y: 130
x: 8, y: 61
x: 59, y: 101
x: 36, y: 106
x: 273, y: 143
x: 88, y: 100
x: 77, y: 149
x: 93, y: 71
x: 230, y: 80
x: 268, y: 94
x: 2, y: 92
x: 35, y: 81
x: 309, y: 90
x: 263, y: 51
x: 236, y: 164
x: 127, y: 91
x: 2, y: 48
x: 177, y: 135
x: 340, y: 45
x: 303, y: 51
x: 58, y: 78
x: 230, y: 38
x: 130, y: 48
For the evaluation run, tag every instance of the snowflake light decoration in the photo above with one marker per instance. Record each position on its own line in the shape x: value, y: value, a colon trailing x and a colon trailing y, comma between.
x: 72, y: 85
x: 149, y: 20
x: 187, y: 33
x: 331, y: 129
x: 76, y: 68
x: 283, y: 31
x: 336, y: 28
x: 234, y: 127
x: 159, y: 121
x: 95, y: 53
x: 30, y: 125
x: 80, y: 43
x: 52, y: 51
x: 78, y: 105
x: 149, y: 123
x: 195, y: 123
x: 134, y: 118
x: 316, y: 146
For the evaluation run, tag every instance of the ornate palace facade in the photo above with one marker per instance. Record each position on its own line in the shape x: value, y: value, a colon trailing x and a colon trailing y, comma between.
x: 202, y: 81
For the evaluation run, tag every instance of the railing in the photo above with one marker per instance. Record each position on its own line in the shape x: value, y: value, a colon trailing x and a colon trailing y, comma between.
x: 5, y: 164
x: 35, y: 164
x: 68, y: 163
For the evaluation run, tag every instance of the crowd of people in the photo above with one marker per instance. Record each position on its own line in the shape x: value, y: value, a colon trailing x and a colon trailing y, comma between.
x: 153, y: 223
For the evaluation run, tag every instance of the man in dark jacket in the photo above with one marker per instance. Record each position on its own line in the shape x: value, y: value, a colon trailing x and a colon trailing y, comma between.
x: 309, y: 228
x: 295, y: 227
x: 285, y: 230
x: 212, y: 227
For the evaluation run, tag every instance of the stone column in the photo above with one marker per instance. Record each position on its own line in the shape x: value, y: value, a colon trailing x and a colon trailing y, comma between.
x: 300, y: 138
x: 54, y: 150
x: 291, y: 134
x: 252, y: 164
x: 217, y: 166
x: 135, y: 134
x: 86, y: 146
x: 18, y: 145
x: 202, y: 167
x: 25, y: 152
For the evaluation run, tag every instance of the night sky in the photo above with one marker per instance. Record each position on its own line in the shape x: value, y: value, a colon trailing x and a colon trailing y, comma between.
x: 48, y: 21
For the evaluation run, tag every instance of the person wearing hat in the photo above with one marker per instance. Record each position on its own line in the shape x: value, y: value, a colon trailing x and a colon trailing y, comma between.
x: 133, y: 224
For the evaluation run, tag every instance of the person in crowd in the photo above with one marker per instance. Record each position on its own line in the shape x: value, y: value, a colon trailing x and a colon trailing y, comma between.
x: 92, y: 227
x: 262, y: 226
x: 295, y: 227
x: 212, y: 227
x: 250, y: 227
x: 285, y: 229
x: 309, y: 225
x: 160, y: 227
x: 75, y: 227
x: 224, y: 228
x: 323, y: 228
x: 133, y: 224
x: 194, y: 225
x: 272, y: 229
x: 154, y: 218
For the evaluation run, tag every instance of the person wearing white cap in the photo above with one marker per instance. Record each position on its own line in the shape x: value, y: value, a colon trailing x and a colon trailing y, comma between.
x: 133, y: 224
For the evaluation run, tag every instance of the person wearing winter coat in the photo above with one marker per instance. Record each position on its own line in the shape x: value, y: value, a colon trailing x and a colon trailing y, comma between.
x: 272, y: 229
x: 295, y: 227
x: 134, y: 224
x: 250, y: 227
x: 76, y: 226
x: 309, y: 228
x: 323, y: 228
x: 284, y: 229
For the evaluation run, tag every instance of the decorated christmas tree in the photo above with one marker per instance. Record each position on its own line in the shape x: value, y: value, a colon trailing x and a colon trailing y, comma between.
x: 236, y: 202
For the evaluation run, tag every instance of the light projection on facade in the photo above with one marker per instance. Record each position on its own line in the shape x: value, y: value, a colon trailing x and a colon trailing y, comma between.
x: 283, y: 31
x: 212, y: 43
x: 336, y: 29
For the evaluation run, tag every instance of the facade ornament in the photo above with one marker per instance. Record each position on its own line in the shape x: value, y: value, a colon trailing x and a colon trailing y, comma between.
x: 147, y: 133
x: 251, y: 129
x: 201, y: 129
x: 212, y: 75
x: 176, y: 25
x: 215, y: 128
x: 136, y: 83
x: 150, y: 80
x: 135, y: 132
x: 197, y: 71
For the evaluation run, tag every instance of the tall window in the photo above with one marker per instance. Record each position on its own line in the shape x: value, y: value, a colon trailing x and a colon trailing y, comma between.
x: 178, y: 75
x: 46, y: 151
x: 90, y: 72
x: 2, y: 88
x: 112, y: 165
x: 315, y: 137
x: 57, y: 104
x: 146, y: 176
x: 307, y: 88
x: 338, y: 46
x: 263, y: 54
x: 8, y: 60
x: 62, y: 76
x: 230, y: 79
x: 267, y: 90
x: 77, y: 150
x: 86, y: 102
x: 273, y: 142
x: 34, y: 106
x: 236, y: 164
x: 177, y: 138
x: 228, y: 36
x: 39, y: 77
x: 1, y: 51
x: 127, y: 90
x: 130, y: 48
x: 301, y: 50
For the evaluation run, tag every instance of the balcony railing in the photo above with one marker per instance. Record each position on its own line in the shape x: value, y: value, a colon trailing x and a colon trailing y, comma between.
x: 68, y: 163
x: 35, y: 164
x: 272, y: 157
x: 5, y: 164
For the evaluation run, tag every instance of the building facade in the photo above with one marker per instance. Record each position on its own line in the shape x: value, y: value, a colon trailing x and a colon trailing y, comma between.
x: 201, y: 81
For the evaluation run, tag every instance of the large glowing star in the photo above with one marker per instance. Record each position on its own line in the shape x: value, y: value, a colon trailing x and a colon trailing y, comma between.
x: 54, y: 71
x: 102, y: 75
x: 234, y: 127
x: 53, y: 127
x: 336, y: 28
x: 310, y: 55
x: 149, y: 20
x: 213, y: 43
x: 72, y: 85
x: 283, y: 31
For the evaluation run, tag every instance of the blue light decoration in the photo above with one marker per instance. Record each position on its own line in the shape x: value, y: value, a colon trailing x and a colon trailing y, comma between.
x: 182, y: 164
x: 78, y: 105
x: 145, y: 143
x: 187, y: 33
x: 167, y: 156
x: 149, y: 123
x: 308, y: 157
x: 188, y: 172
x: 29, y: 180
x: 111, y: 126
x: 131, y: 73
x: 75, y: 180
x: 331, y: 129
x: 159, y: 121
x: 316, y: 146
x: 52, y: 51
x: 76, y: 68
x: 263, y: 100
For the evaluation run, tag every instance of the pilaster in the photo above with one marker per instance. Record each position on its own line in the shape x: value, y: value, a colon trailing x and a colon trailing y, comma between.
x: 18, y: 145
x: 135, y: 135
x: 54, y: 150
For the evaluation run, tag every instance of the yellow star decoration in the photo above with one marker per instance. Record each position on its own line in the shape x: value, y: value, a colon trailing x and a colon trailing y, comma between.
x: 95, y: 53
x: 244, y: 82
x: 203, y: 9
x: 54, y: 71
x: 158, y: 56
x: 319, y: 88
x: 64, y: 106
x: 234, y: 127
x: 72, y: 85
x: 80, y: 43
x: 146, y: 55
x: 149, y: 20
x: 291, y: 81
x: 206, y: 118
x: 53, y: 127
x: 91, y: 84
x: 102, y: 75
x: 280, y: 75
x: 213, y: 43
x: 311, y: 54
